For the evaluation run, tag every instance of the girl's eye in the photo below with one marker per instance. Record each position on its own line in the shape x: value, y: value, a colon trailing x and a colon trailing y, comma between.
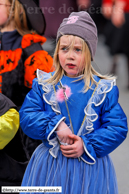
x: 64, y: 48
x: 78, y: 49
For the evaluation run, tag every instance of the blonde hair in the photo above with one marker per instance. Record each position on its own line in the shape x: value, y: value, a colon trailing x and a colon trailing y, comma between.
x: 88, y: 71
x: 20, y: 18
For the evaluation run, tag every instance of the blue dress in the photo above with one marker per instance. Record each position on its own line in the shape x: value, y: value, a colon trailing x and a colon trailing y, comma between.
x: 96, y: 117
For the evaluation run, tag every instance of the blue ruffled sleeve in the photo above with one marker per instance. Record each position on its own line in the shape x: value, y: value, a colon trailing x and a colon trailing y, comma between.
x: 35, y: 121
x: 112, y: 132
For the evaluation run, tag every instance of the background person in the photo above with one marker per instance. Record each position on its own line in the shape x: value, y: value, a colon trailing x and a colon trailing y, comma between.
x: 117, y: 30
x: 21, y: 54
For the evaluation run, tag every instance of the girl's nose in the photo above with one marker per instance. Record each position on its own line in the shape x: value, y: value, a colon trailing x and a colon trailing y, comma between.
x: 71, y: 54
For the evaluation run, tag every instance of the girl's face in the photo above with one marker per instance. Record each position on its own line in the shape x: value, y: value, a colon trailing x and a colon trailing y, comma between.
x: 4, y: 11
x: 70, y: 55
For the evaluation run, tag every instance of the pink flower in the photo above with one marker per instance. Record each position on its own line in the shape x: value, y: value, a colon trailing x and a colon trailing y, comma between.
x: 60, y: 96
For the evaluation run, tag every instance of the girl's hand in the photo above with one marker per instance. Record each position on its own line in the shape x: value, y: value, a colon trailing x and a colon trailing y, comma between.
x: 63, y: 132
x: 75, y: 150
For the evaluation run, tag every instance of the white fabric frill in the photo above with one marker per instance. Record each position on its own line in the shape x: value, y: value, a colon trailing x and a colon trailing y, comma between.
x: 49, y: 93
x: 104, y: 86
x: 98, y: 97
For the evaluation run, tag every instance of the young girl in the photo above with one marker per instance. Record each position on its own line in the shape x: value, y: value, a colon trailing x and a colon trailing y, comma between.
x: 21, y: 54
x: 75, y: 112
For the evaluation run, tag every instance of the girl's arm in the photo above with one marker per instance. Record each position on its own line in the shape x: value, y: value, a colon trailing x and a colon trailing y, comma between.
x: 112, y: 132
x: 36, y: 122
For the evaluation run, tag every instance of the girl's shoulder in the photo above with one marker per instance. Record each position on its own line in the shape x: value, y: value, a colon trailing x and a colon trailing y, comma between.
x: 40, y: 82
x: 105, y: 89
x: 42, y: 75
x: 105, y: 84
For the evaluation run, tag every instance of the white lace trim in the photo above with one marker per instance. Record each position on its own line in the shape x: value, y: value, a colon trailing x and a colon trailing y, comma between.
x: 54, y: 142
x: 50, y: 98
x: 91, y: 163
x: 99, y: 96
x: 49, y: 95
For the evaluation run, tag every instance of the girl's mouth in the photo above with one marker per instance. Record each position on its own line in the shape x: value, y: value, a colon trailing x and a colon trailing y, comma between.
x: 71, y: 66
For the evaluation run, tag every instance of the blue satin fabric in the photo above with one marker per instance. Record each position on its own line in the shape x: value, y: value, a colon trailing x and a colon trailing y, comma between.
x: 109, y: 130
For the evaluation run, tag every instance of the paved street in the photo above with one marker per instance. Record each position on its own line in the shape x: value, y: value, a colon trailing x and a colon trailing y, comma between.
x: 120, y: 156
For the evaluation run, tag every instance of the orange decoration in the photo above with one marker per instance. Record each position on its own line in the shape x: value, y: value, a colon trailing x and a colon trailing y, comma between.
x: 29, y: 39
x: 8, y: 62
x: 39, y: 60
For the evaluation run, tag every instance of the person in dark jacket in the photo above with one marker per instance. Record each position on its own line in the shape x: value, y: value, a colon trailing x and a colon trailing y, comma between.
x: 22, y: 25
x: 116, y: 32
x: 10, y: 159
